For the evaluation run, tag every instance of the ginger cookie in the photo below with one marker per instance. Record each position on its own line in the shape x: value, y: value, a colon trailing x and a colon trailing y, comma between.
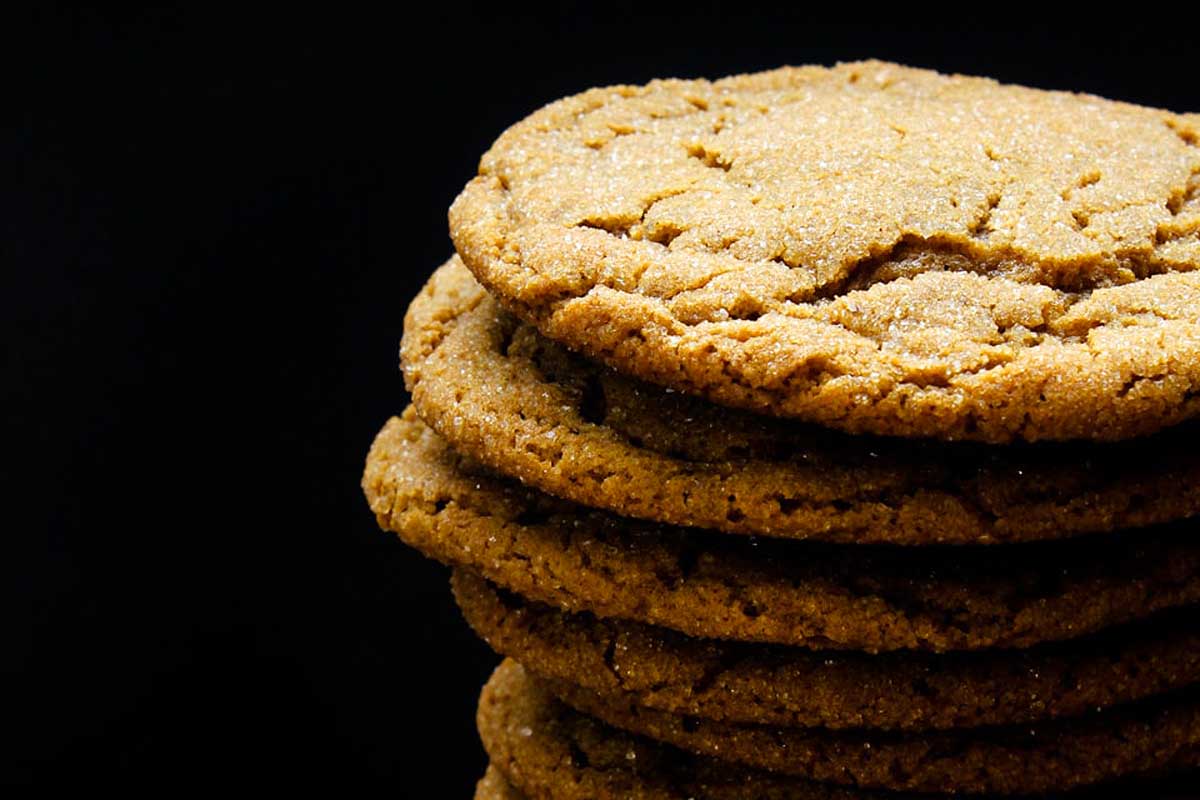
x: 1032, y: 759
x: 659, y: 669
x: 506, y: 396
x: 547, y: 751
x: 870, y: 247
x: 771, y: 590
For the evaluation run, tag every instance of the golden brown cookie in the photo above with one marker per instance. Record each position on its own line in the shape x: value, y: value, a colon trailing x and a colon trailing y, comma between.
x: 659, y: 669
x: 501, y: 393
x: 770, y: 590
x: 550, y: 752
x: 871, y: 247
x: 1032, y: 759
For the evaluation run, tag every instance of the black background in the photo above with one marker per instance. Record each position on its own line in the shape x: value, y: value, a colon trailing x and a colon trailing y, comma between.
x: 212, y: 225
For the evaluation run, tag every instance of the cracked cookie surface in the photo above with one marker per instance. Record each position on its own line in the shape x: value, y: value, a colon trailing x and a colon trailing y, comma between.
x: 803, y: 593
x: 546, y: 750
x: 870, y: 247
x: 527, y: 407
x: 656, y: 668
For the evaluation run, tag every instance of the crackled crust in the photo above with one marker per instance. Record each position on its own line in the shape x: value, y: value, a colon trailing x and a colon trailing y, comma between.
x: 1031, y: 759
x: 802, y: 593
x: 550, y: 752
x: 656, y: 668
x: 527, y: 407
x: 871, y: 247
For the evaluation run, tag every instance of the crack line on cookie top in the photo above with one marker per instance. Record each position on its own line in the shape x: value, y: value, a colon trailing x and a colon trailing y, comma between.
x: 910, y: 254
x: 1186, y: 134
x: 623, y: 227
x: 1133, y: 264
x: 1186, y: 195
x: 1157, y: 253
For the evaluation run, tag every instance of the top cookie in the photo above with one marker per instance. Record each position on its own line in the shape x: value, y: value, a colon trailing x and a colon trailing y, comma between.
x: 871, y: 247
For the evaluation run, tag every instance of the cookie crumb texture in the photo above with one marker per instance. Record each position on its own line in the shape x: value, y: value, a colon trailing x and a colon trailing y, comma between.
x: 656, y: 668
x: 804, y: 593
x: 527, y: 407
x: 547, y: 750
x: 871, y: 247
x: 494, y: 786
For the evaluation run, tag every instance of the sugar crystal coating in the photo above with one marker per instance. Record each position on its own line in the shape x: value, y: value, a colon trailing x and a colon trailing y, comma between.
x: 573, y: 756
x: 1029, y: 759
x: 527, y: 407
x: 871, y: 247
x: 753, y: 683
x: 803, y: 593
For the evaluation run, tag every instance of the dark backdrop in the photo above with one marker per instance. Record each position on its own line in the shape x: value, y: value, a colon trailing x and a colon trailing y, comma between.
x: 211, y: 228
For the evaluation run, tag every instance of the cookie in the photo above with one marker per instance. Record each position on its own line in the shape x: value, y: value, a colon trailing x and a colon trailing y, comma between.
x: 501, y: 393
x: 1036, y: 758
x: 659, y: 669
x: 549, y: 752
x: 871, y: 247
x: 769, y: 590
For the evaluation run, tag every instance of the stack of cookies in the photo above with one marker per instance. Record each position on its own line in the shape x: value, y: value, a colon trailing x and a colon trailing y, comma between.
x: 820, y: 433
